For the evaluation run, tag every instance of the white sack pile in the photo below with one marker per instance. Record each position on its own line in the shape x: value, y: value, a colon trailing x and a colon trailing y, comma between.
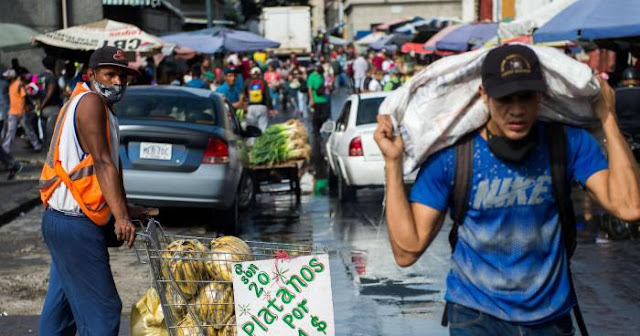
x: 441, y: 103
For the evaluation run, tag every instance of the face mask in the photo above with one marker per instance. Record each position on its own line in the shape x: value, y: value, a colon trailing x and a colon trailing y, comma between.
x: 511, y: 150
x: 111, y: 93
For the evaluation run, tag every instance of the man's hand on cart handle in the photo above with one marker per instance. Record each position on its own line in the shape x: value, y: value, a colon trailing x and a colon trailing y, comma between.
x: 125, y: 231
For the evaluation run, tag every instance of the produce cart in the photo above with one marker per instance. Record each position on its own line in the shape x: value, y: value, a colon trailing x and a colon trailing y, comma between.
x: 192, y: 279
x: 278, y: 173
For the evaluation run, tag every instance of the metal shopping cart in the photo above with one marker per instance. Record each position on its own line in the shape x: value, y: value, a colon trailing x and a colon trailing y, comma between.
x: 194, y: 283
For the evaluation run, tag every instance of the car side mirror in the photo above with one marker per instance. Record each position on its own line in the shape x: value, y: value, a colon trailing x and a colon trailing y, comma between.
x: 328, y: 127
x: 251, y: 132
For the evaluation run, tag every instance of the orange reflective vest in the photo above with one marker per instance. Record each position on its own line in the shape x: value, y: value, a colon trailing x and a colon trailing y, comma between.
x: 82, y: 180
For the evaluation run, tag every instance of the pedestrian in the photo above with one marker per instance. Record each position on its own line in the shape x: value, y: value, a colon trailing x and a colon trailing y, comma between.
x: 378, y: 59
x: 303, y: 96
x: 18, y: 112
x: 360, y: 70
x: 375, y: 85
x: 230, y: 90
x: 51, y: 98
x: 10, y: 163
x: 196, y: 81
x: 272, y: 77
x: 320, y: 114
x: 4, y: 98
x: 259, y: 101
x: 64, y: 82
x: 628, y: 102
x: 394, y: 81
x: 510, y: 269
x: 81, y: 188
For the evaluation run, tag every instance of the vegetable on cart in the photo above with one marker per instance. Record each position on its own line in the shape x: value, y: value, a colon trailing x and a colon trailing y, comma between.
x: 281, y: 143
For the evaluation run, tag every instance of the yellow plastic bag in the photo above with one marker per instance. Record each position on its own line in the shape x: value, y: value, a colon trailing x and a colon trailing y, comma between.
x: 147, y: 318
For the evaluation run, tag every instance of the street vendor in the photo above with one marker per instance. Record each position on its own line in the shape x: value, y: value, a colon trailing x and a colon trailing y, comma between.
x: 82, y: 190
x: 510, y: 268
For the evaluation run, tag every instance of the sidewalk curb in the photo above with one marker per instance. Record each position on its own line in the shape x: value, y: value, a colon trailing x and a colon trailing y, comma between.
x: 25, y: 206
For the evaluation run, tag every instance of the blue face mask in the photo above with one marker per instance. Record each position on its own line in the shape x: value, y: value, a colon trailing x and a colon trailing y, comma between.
x: 111, y: 93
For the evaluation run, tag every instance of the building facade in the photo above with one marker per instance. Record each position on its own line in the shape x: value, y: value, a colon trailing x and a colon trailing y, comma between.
x: 362, y: 15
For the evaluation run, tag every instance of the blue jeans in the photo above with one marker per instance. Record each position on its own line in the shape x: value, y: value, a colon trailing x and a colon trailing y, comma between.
x: 81, y: 296
x: 465, y: 321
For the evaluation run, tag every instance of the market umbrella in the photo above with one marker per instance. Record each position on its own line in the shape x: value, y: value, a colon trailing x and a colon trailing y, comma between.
x: 390, y: 42
x: 91, y: 36
x: 417, y: 48
x: 431, y: 43
x: 526, y: 24
x: 371, y: 38
x: 337, y: 41
x: 592, y: 20
x: 15, y: 37
x: 461, y: 38
x: 218, y: 39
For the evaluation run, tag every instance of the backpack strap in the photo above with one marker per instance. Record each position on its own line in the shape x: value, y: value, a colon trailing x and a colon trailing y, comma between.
x: 459, y: 199
x: 461, y: 185
x: 557, y: 142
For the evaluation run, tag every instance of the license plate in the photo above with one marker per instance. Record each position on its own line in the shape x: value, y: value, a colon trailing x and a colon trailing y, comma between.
x: 155, y: 151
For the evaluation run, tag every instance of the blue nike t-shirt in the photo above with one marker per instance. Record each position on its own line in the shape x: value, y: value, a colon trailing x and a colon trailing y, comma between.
x: 510, y: 261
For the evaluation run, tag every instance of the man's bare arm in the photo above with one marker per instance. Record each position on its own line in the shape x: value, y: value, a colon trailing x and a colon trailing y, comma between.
x: 412, y: 227
x: 91, y: 122
x: 618, y: 188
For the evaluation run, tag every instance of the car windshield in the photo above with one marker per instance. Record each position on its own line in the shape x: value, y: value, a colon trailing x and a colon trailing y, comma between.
x: 368, y: 110
x: 188, y: 109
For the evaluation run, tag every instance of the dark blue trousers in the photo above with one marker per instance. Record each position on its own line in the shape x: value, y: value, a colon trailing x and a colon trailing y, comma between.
x: 464, y: 321
x: 81, y: 296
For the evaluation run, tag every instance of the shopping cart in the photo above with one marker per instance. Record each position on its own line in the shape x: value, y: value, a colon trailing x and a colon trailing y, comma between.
x: 193, y: 301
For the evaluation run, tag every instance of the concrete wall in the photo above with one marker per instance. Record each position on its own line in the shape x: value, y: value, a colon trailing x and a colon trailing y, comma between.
x: 44, y: 16
x: 361, y: 16
x: 317, y: 16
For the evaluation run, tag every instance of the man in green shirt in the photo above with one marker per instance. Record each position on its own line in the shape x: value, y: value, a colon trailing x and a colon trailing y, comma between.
x: 320, y: 114
x: 394, y: 81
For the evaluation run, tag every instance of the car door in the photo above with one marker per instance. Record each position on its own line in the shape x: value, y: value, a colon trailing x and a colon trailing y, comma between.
x: 337, y: 138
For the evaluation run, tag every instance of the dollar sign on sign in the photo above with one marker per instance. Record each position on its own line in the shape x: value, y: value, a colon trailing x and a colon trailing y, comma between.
x: 319, y: 325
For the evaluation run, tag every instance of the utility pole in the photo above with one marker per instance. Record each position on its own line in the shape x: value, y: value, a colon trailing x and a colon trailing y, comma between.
x: 209, y: 13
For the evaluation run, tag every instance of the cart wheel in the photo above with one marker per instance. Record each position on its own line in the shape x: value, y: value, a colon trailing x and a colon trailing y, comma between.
x: 228, y: 219
x: 246, y: 192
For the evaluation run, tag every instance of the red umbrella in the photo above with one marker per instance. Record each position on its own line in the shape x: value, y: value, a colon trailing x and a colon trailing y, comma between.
x: 417, y: 48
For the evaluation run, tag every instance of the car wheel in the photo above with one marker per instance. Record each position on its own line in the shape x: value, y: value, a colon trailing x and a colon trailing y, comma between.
x: 333, y: 183
x: 230, y: 223
x: 246, y: 192
x: 345, y: 192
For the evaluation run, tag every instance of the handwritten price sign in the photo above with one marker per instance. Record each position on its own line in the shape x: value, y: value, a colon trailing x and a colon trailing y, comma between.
x: 284, y: 297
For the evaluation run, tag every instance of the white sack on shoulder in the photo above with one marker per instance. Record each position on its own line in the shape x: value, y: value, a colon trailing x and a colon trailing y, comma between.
x: 441, y: 103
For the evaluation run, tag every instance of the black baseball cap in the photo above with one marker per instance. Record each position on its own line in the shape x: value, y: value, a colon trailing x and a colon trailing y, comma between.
x: 111, y: 56
x: 512, y: 68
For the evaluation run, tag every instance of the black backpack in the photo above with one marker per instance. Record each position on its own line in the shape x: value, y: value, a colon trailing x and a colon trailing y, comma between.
x: 561, y: 192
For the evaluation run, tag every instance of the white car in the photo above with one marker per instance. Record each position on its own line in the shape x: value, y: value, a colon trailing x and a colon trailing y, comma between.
x: 354, y: 157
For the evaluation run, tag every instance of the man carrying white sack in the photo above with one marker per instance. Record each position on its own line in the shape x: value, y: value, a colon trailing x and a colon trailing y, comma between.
x: 511, y: 238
